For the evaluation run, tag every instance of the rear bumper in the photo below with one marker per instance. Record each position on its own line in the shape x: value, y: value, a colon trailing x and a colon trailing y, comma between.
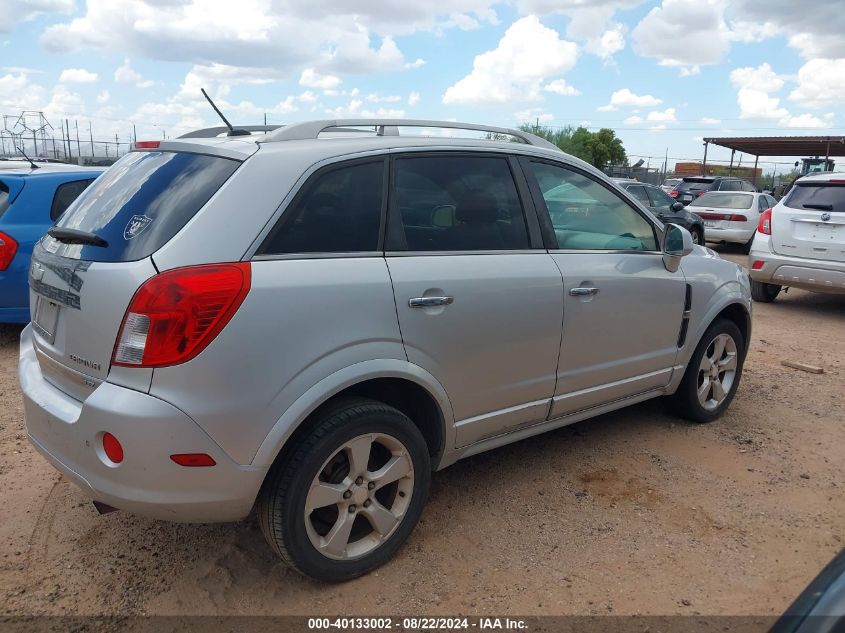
x: 734, y: 236
x: 796, y: 272
x: 69, y: 434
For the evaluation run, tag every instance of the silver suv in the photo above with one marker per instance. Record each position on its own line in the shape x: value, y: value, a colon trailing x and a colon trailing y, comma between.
x: 800, y: 242
x: 314, y: 319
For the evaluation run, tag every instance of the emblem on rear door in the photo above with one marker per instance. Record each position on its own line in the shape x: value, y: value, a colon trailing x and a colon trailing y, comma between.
x: 137, y: 224
x: 825, y: 216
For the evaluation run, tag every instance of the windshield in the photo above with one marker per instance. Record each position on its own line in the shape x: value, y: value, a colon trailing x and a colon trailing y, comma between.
x: 819, y: 196
x: 141, y: 202
x: 724, y: 200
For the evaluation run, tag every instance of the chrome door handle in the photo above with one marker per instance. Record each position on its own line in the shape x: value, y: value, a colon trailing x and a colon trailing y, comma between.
x: 430, y: 302
x: 583, y: 292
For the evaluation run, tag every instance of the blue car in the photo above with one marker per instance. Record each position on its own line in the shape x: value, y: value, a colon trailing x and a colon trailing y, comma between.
x: 31, y: 200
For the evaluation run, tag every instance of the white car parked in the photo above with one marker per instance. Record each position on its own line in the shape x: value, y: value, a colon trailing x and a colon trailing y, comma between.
x: 800, y: 243
x: 731, y: 216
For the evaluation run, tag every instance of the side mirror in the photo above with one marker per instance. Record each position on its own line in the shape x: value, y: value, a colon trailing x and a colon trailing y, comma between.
x: 677, y: 206
x: 677, y: 243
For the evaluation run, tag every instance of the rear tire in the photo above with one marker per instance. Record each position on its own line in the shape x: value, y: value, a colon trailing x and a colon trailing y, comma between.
x: 713, y: 374
x: 697, y: 236
x: 319, y: 508
x: 763, y: 292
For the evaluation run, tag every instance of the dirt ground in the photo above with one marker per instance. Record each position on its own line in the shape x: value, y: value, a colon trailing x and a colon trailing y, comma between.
x: 635, y: 512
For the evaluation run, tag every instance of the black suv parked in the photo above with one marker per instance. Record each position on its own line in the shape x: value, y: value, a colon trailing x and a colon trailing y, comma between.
x: 665, y: 208
x: 691, y: 187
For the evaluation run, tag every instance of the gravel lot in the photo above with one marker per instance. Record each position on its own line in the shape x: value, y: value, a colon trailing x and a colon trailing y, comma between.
x: 633, y: 512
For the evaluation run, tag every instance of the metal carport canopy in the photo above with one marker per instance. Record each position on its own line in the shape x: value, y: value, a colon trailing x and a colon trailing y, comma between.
x: 783, y: 145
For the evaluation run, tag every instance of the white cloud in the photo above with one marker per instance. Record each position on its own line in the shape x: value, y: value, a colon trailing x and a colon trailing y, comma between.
x: 810, y: 121
x: 127, y: 74
x: 533, y: 115
x: 608, y: 43
x: 684, y: 33
x: 417, y: 63
x: 754, y: 87
x: 527, y: 54
x: 310, y: 78
x: 709, y: 121
x: 624, y: 98
x: 821, y: 83
x: 666, y: 116
x: 634, y: 119
x: 14, y: 11
x: 413, y: 99
x: 376, y: 98
x: 103, y: 97
x: 78, y: 76
x: 560, y: 87
x: 307, y: 97
x: 19, y: 92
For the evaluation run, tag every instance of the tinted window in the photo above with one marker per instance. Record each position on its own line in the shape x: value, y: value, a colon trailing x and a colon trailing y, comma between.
x: 339, y: 211
x: 747, y: 186
x: 65, y: 194
x: 730, y: 185
x: 586, y: 215
x: 459, y: 203
x: 140, y: 202
x: 724, y: 200
x: 822, y: 196
x: 762, y: 203
x: 659, y: 198
x: 639, y: 193
x: 4, y: 198
x: 695, y: 184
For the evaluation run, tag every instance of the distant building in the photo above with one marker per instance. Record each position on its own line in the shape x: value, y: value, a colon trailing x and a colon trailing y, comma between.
x: 694, y: 169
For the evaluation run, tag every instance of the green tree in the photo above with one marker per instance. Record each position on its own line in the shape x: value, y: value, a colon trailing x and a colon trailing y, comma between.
x: 597, y: 148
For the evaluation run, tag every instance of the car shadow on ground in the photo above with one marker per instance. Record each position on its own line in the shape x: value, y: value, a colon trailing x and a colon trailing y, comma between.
x: 10, y: 334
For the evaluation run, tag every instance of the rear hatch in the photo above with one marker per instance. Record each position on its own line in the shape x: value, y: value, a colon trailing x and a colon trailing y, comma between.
x: 690, y: 188
x: 810, y: 221
x: 83, y: 277
x: 719, y: 208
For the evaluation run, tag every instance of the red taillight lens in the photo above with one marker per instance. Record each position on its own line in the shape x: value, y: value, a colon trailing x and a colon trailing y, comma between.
x: 193, y: 460
x: 176, y: 314
x: 112, y: 448
x: 147, y: 144
x: 673, y: 193
x: 764, y: 226
x: 737, y: 218
x: 758, y: 265
x: 700, y: 193
x: 8, y: 248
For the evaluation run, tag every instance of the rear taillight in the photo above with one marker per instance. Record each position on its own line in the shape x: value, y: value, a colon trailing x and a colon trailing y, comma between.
x: 764, y: 226
x: 147, y: 144
x: 719, y: 216
x: 673, y: 193
x: 176, y: 314
x: 8, y: 248
x: 700, y: 193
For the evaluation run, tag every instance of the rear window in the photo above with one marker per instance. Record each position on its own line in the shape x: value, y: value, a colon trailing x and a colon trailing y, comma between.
x: 821, y: 196
x: 694, y: 184
x: 141, y: 202
x: 724, y: 200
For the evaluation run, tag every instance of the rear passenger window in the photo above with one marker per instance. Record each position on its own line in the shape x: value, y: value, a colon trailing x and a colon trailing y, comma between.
x: 640, y: 194
x: 459, y: 203
x: 586, y: 215
x: 339, y: 211
x: 65, y: 194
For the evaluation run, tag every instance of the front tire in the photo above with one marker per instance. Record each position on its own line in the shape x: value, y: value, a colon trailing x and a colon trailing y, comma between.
x: 713, y: 374
x: 349, y: 494
x: 763, y: 292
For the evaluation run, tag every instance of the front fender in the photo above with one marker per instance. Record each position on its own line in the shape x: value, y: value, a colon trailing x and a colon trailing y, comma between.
x: 342, y: 379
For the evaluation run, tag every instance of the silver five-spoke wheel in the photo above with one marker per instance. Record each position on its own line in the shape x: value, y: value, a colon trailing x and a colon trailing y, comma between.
x: 717, y: 371
x: 359, y: 496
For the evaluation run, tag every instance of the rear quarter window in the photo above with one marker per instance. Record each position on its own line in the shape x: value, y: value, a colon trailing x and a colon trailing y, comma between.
x: 4, y: 198
x: 65, y: 194
x: 140, y: 203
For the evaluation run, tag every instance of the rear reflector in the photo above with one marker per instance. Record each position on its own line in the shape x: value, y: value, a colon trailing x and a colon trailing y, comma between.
x: 175, y: 315
x: 112, y: 448
x: 719, y: 216
x: 764, y: 226
x: 193, y: 460
x: 8, y: 249
x: 147, y: 144
x: 757, y: 265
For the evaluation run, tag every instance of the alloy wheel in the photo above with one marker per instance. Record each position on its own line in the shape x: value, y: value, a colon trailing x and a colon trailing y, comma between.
x: 717, y: 371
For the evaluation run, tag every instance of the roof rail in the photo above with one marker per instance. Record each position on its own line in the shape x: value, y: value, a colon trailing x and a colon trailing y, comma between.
x: 389, y: 127
x: 212, y: 132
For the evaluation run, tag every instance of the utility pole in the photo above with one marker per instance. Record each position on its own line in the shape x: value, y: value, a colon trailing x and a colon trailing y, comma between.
x: 67, y: 131
x: 78, y: 146
x: 91, y: 138
x: 116, y: 145
x: 135, y: 134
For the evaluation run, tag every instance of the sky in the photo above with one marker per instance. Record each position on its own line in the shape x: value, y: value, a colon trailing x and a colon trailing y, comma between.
x: 662, y: 73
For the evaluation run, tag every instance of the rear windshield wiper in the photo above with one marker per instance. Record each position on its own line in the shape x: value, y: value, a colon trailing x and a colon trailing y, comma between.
x: 820, y: 207
x: 75, y: 236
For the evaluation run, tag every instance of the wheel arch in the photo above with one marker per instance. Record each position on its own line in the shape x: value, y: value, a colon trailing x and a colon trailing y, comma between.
x: 400, y: 384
